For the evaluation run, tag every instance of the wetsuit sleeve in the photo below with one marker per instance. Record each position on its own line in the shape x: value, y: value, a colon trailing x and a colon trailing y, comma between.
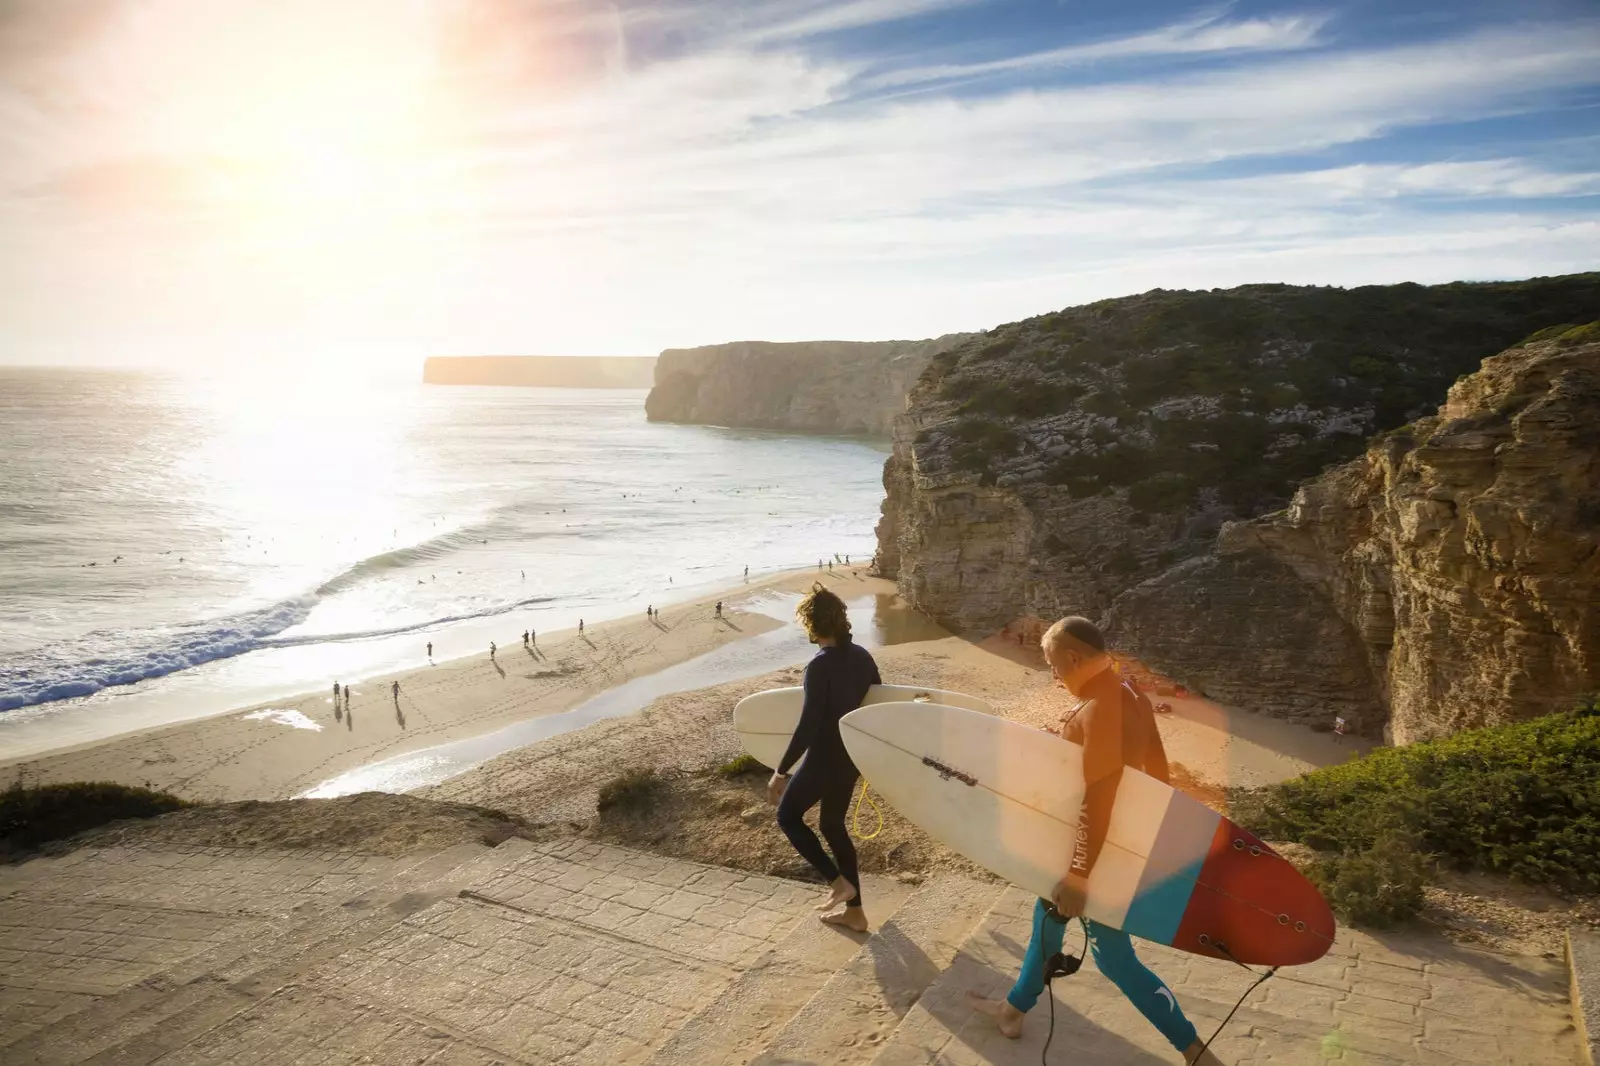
x: 1102, y: 773
x: 815, y: 686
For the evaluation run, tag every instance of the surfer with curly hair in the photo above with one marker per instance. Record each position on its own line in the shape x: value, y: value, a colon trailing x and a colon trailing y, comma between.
x: 836, y: 681
x: 1116, y: 727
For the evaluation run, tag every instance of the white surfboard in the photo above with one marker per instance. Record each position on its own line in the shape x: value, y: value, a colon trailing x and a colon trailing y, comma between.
x: 766, y: 720
x: 1007, y: 796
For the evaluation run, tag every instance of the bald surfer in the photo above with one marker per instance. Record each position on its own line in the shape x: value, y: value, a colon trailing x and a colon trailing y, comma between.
x: 1116, y: 728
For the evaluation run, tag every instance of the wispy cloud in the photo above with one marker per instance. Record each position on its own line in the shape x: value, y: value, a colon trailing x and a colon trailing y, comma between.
x: 589, y: 178
x: 1210, y: 35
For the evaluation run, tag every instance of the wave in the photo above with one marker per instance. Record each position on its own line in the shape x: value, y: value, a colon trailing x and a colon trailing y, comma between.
x: 63, y: 671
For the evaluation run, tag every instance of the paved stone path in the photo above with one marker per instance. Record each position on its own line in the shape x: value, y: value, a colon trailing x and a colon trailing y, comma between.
x: 581, y: 953
x: 1412, y: 1000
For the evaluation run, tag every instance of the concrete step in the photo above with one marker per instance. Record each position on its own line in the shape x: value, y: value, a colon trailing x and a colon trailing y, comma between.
x: 857, y: 1009
x: 733, y: 1028
x: 1411, y: 998
x: 135, y: 1024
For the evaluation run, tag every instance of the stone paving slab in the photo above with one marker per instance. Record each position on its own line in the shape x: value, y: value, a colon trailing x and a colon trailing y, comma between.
x: 1414, y: 1000
x: 738, y: 1024
x: 249, y: 950
x: 1583, y: 968
x: 855, y: 1012
x: 571, y: 953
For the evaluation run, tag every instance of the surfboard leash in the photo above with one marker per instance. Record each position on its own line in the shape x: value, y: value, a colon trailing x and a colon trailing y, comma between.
x: 856, y: 821
x: 1257, y: 984
x: 1059, y: 965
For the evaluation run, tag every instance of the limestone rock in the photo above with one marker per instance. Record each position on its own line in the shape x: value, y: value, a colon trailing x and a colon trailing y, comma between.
x: 1449, y: 578
x: 843, y: 387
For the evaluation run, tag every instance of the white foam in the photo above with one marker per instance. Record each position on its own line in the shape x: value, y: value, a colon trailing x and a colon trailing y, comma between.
x: 291, y: 718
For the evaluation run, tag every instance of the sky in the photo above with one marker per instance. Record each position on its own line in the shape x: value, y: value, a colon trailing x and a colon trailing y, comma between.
x: 366, y: 182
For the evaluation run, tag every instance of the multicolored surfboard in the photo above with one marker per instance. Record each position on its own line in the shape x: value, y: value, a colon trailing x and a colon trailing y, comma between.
x: 1008, y: 796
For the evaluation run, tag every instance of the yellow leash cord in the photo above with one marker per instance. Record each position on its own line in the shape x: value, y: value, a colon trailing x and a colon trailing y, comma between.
x: 855, y: 823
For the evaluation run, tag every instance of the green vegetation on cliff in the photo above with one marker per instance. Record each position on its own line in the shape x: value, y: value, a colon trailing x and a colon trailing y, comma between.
x: 1227, y: 397
x: 1521, y: 800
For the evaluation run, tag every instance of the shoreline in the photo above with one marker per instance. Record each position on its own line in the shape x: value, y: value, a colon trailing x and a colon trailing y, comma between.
x: 540, y: 726
x: 279, y: 748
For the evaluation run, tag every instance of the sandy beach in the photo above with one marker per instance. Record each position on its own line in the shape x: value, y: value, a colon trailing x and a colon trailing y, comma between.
x: 289, y: 747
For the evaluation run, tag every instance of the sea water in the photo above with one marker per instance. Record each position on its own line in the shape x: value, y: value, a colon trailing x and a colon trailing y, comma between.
x: 175, y: 546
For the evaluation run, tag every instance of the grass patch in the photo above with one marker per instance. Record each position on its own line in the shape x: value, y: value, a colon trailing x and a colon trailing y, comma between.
x: 631, y: 791
x: 743, y: 763
x: 31, y: 816
x: 1522, y: 800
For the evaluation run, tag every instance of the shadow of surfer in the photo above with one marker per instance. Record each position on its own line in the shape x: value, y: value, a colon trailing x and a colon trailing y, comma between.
x: 1115, y: 726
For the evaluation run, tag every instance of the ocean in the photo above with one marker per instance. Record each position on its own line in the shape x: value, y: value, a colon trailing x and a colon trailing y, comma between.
x: 177, y: 546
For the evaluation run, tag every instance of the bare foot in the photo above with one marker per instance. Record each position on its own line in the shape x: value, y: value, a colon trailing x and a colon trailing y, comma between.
x: 852, y: 918
x: 1006, y: 1017
x: 838, y: 892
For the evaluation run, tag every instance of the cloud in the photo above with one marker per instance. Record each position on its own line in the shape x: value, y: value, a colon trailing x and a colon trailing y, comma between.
x: 685, y: 172
x: 1206, y: 36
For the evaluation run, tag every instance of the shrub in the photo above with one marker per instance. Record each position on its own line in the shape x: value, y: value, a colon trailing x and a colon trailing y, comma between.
x: 31, y: 816
x: 1521, y: 800
x: 1164, y: 492
x: 631, y: 790
x: 1380, y: 886
x: 743, y: 763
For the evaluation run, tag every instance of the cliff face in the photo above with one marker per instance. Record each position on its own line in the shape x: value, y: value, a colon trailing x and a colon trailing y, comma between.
x: 842, y: 387
x: 551, y: 371
x: 1464, y: 552
x: 1088, y: 459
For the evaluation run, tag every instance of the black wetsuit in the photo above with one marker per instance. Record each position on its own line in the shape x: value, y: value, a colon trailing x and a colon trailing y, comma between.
x: 836, y: 682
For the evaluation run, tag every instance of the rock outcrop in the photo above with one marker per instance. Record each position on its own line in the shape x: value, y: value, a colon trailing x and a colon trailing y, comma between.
x: 834, y: 387
x: 1091, y: 458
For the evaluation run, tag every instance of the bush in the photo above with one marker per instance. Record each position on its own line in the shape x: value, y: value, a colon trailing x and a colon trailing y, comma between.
x: 1521, y: 800
x: 31, y: 816
x: 743, y: 763
x: 1380, y: 886
x: 631, y: 790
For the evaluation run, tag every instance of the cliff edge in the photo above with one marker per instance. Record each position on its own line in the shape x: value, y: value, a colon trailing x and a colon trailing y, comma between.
x: 842, y: 387
x: 1091, y: 457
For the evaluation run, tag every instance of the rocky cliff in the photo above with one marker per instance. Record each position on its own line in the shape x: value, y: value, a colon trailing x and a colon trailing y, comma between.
x: 1057, y: 464
x: 842, y: 387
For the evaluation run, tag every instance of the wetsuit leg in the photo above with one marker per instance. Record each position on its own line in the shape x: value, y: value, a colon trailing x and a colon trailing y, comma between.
x: 835, y: 805
x: 805, y: 788
x: 1113, y: 954
x: 1048, y: 931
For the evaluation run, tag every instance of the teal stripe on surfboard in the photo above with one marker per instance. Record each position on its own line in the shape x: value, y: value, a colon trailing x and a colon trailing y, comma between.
x: 1171, y: 871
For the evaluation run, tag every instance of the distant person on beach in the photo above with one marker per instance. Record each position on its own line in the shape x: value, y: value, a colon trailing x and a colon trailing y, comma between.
x: 491, y: 649
x: 395, y: 691
x: 650, y: 611
x: 336, y: 693
x: 430, y: 649
x: 836, y: 681
x: 580, y: 625
x: 1116, y: 729
x: 719, y: 608
x: 747, y: 573
x: 524, y: 638
x: 533, y: 638
x: 830, y: 566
